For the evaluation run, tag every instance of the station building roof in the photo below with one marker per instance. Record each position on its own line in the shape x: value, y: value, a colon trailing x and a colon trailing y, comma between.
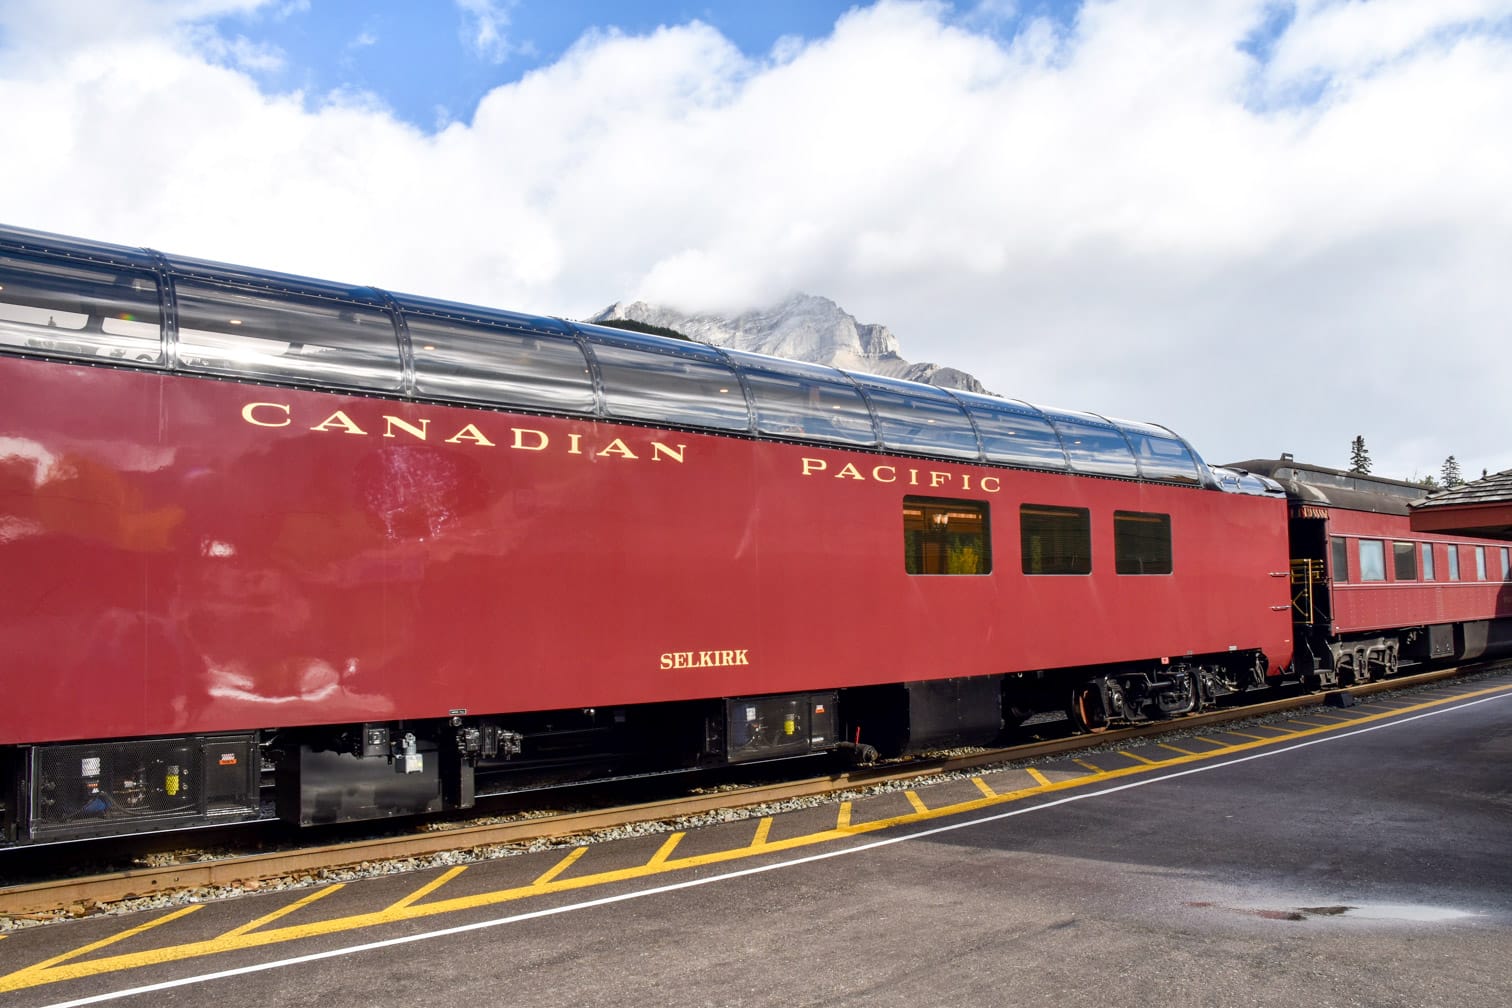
x: 1482, y: 508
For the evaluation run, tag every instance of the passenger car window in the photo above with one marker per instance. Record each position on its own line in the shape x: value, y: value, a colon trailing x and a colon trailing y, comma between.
x: 1055, y: 540
x: 945, y: 537
x: 1406, y: 561
x: 52, y: 305
x: 644, y: 385
x: 1014, y: 433
x: 1142, y: 542
x: 494, y: 364
x: 314, y: 340
x: 1339, y: 547
x: 1372, y: 560
x: 917, y: 418
x: 806, y: 401
x: 1427, y: 561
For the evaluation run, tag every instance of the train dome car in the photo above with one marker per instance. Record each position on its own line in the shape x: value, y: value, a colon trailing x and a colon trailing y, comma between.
x: 269, y: 540
x: 1369, y: 593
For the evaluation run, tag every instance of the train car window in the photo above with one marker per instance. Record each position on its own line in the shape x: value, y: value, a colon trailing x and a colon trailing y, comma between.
x: 267, y: 334
x: 1093, y: 445
x: 494, y: 364
x: 1142, y: 542
x: 52, y: 305
x: 912, y: 418
x: 1013, y: 433
x: 1055, y: 540
x: 806, y: 401
x: 1453, y: 562
x: 945, y: 537
x: 1427, y: 561
x: 1480, y: 563
x: 1372, y: 560
x: 1159, y: 455
x: 1506, y: 553
x: 1339, y: 547
x: 642, y: 384
x: 1405, y: 555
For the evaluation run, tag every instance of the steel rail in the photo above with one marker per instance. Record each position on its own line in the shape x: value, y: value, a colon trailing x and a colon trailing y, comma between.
x: 47, y: 899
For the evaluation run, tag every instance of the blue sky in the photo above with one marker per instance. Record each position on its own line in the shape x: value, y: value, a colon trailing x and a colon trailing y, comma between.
x: 431, y: 61
x: 1271, y: 225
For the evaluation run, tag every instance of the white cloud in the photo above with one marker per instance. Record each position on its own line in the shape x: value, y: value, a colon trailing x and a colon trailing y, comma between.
x: 1095, y: 215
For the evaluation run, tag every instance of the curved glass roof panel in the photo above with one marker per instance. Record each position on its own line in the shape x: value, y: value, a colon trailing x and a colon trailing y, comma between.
x: 660, y: 380
x: 1092, y: 443
x: 922, y: 418
x: 1013, y: 432
x: 1160, y: 454
x: 805, y: 400
x: 499, y: 364
x: 262, y: 333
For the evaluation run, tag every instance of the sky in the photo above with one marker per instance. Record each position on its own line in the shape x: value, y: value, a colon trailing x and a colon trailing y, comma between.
x: 1270, y: 225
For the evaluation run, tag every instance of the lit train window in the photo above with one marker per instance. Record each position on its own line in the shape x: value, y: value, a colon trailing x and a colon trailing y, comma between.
x: 793, y: 399
x: 483, y: 363
x: 1453, y: 562
x: 1406, y: 561
x: 1014, y: 433
x: 1372, y: 560
x: 646, y: 385
x: 56, y: 306
x: 945, y: 537
x: 1340, y: 548
x: 1055, y: 540
x: 1093, y: 445
x: 1142, y: 542
x: 260, y: 334
x: 912, y: 418
x: 1427, y: 561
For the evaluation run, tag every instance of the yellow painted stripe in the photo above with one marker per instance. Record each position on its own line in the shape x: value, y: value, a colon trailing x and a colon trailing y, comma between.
x: 1176, y: 748
x: 1039, y: 778
x: 1261, y: 738
x: 984, y: 787
x: 916, y: 802
x: 277, y: 914
x: 429, y: 888
x: 763, y: 830
x: 1090, y: 766
x: 60, y: 969
x: 1310, y: 724
x: 561, y: 866
x: 1143, y: 759
x: 661, y: 856
x: 48, y: 964
x: 1211, y: 741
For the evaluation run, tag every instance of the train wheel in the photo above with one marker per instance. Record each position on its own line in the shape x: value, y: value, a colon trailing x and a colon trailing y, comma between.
x: 1086, y: 709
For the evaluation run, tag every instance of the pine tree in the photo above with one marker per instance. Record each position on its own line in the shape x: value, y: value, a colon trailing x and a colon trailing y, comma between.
x: 1451, y: 473
x: 1359, y: 456
x: 1429, y: 483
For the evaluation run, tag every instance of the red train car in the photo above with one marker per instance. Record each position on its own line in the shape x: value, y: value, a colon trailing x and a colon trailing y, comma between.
x: 373, y: 554
x: 1372, y: 594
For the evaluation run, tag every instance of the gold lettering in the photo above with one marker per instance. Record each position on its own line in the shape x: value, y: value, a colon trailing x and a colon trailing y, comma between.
x: 574, y: 444
x: 405, y: 426
x: 341, y: 420
x: 658, y: 450
x: 247, y: 412
x: 617, y: 447
x: 541, y: 440
x: 913, y: 477
x: 666, y: 661
x: 966, y: 481
x: 813, y: 465
x: 938, y: 479
x: 470, y: 433
x: 849, y: 471
x: 996, y: 486
x: 892, y: 474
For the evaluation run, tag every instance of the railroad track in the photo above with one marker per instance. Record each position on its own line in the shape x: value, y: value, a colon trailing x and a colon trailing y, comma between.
x: 75, y: 896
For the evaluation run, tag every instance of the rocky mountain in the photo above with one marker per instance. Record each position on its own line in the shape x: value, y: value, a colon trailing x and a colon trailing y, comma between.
x: 805, y: 328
